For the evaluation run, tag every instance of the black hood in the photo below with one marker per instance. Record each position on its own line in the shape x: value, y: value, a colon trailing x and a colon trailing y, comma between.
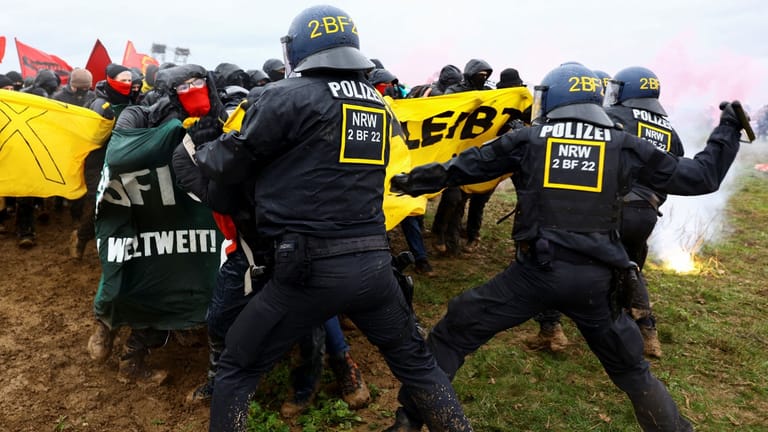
x: 449, y: 75
x: 474, y: 66
x: 167, y: 79
x: 229, y: 74
x: 47, y: 80
x: 272, y: 69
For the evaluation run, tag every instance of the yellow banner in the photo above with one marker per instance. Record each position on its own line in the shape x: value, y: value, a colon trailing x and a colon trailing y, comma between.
x: 43, y: 144
x: 435, y: 129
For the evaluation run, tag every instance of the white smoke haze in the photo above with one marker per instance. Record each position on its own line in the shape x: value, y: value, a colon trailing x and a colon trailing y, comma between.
x: 688, y: 223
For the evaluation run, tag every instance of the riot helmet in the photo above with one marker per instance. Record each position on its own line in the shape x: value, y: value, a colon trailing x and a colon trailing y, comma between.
x: 604, y: 77
x: 323, y: 37
x: 635, y: 87
x: 570, y: 91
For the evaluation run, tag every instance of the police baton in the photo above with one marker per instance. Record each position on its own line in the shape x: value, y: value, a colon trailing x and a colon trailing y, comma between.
x: 739, y: 110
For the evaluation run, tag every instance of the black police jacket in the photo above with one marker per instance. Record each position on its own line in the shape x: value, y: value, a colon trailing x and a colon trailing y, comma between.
x: 316, y: 147
x: 536, y: 158
x: 654, y: 128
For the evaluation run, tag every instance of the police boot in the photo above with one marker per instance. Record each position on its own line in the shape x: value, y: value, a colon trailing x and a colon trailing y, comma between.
x: 204, y: 392
x: 403, y: 423
x: 651, y: 344
x: 354, y: 391
x: 100, y: 342
x: 550, y: 338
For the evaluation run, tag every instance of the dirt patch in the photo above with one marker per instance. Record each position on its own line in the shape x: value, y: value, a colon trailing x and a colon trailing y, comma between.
x: 48, y: 381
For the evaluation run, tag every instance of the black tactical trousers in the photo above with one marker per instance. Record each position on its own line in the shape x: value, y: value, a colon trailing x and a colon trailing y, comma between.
x: 524, y: 289
x: 637, y: 223
x: 359, y: 284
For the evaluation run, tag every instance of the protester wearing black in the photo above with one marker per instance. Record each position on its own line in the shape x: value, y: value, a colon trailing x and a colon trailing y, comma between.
x: 16, y: 78
x: 446, y: 227
x: 44, y: 84
x: 77, y: 92
x: 323, y: 137
x: 132, y: 365
x: 566, y: 232
x: 112, y: 96
x: 275, y: 69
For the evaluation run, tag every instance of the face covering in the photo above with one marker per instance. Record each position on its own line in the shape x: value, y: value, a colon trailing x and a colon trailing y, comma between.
x: 124, y: 88
x: 195, y: 101
x: 478, y: 81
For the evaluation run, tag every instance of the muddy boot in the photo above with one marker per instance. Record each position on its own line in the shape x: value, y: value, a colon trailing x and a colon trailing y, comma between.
x: 298, y: 401
x: 100, y: 342
x: 651, y: 344
x: 403, y: 423
x: 76, y: 246
x: 550, y: 338
x: 204, y: 392
x: 353, y: 389
x: 305, y: 378
x: 133, y: 367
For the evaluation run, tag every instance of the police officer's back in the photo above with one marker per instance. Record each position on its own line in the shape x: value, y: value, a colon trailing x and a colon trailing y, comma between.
x: 316, y: 147
x: 570, y: 170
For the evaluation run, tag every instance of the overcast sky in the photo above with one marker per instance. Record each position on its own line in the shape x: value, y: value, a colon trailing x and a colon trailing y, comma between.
x: 716, y: 49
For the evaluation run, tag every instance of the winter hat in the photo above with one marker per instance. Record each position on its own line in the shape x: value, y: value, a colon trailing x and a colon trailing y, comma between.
x: 16, y: 78
x: 509, y: 78
x: 80, y: 78
x: 114, y: 70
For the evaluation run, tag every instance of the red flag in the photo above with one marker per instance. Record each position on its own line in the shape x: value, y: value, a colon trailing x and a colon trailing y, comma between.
x: 132, y: 59
x: 98, y: 61
x: 2, y: 48
x: 33, y: 60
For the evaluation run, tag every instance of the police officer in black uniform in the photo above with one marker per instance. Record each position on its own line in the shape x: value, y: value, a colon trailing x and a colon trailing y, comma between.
x: 317, y: 147
x: 570, y: 170
x: 632, y: 100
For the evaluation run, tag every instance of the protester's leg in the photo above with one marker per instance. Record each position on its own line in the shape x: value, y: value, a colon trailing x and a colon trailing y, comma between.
x: 354, y: 391
x: 454, y: 224
x: 25, y: 221
x: 133, y: 365
x: 305, y: 377
x: 444, y: 223
x: 412, y: 233
x: 227, y: 300
x: 475, y: 212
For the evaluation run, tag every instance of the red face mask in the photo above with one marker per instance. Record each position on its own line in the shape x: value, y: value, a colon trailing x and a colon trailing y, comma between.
x: 382, y: 88
x: 195, y: 101
x: 124, y: 88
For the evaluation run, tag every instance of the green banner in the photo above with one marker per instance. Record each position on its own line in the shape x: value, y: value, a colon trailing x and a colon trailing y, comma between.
x: 159, y: 249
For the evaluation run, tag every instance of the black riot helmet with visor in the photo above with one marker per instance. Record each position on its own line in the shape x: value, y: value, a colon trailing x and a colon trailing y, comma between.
x: 323, y: 37
x: 570, y: 91
x: 635, y: 87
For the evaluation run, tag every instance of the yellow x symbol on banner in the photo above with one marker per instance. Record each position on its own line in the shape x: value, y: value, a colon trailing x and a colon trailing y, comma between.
x: 18, y: 123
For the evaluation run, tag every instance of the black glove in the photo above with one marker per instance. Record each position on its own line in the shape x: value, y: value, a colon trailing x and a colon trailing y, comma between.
x: 400, y: 184
x: 206, y: 129
x: 729, y: 117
